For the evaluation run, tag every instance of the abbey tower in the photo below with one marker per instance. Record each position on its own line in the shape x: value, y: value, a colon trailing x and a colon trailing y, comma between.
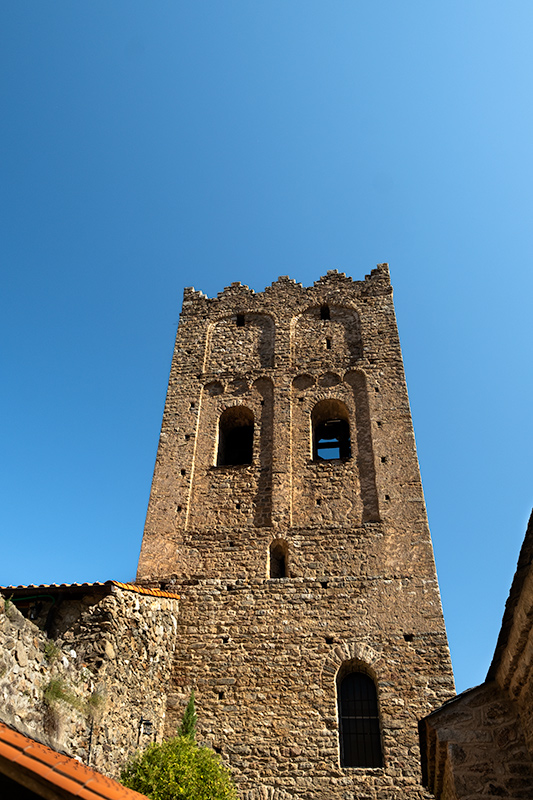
x: 287, y: 512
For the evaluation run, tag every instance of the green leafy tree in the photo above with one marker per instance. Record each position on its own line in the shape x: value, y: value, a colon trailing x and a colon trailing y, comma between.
x: 179, y: 769
x: 188, y: 723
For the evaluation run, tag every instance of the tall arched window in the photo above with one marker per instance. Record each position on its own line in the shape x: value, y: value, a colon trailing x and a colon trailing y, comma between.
x: 235, y: 437
x: 278, y: 560
x: 359, y: 733
x: 331, y: 431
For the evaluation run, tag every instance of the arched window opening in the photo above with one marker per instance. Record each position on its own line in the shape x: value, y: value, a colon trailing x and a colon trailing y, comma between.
x: 324, y: 312
x: 359, y: 733
x: 331, y: 431
x: 278, y: 560
x: 235, y: 437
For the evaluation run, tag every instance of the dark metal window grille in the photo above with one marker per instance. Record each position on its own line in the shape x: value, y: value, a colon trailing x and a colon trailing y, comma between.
x: 360, y: 738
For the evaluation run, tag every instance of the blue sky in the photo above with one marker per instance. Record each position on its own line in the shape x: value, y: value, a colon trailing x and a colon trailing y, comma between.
x: 148, y: 146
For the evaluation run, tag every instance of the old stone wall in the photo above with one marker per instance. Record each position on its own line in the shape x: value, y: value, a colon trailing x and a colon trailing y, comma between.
x: 513, y: 664
x: 477, y: 748
x: 90, y: 683
x: 263, y: 657
x: 480, y: 744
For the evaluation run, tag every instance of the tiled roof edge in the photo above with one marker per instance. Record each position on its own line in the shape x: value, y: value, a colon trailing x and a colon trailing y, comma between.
x: 39, y: 765
x: 132, y: 587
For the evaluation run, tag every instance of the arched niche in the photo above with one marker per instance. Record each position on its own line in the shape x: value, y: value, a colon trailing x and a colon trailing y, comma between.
x: 356, y: 379
x: 326, y: 334
x: 240, y: 342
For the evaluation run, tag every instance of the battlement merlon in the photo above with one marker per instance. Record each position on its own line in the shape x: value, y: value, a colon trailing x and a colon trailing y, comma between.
x: 329, y: 286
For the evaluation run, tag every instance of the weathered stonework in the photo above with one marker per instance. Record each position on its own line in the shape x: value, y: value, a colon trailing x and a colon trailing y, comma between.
x: 98, y: 665
x: 360, y: 592
x: 480, y: 744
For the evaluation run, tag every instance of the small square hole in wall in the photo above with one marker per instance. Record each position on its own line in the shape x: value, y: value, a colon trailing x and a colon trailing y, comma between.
x: 187, y: 437
x: 262, y: 402
x: 387, y: 497
x: 193, y: 405
x: 324, y: 584
x: 379, y: 424
x: 225, y: 639
x: 383, y: 459
x: 232, y: 544
x: 179, y: 509
x: 237, y: 506
x: 183, y: 472
x: 328, y: 344
x: 329, y: 639
x: 301, y: 399
x: 318, y: 501
x: 376, y: 388
x: 240, y: 320
x: 221, y: 695
x: 217, y: 749
x: 408, y: 637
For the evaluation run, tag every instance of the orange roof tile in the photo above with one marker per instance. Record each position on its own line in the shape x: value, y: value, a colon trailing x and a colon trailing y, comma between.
x: 40, y: 768
x: 130, y: 587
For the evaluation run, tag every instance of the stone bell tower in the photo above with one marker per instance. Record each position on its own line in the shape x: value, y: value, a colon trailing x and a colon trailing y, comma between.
x: 287, y: 511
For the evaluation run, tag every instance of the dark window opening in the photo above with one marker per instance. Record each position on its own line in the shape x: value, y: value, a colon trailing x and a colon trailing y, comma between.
x: 328, y: 344
x: 278, y: 560
x: 329, y: 639
x: 235, y: 437
x: 359, y: 733
x: 240, y: 320
x: 324, y: 312
x: 332, y: 440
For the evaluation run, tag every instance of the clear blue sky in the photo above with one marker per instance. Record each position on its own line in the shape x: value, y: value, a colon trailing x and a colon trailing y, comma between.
x: 148, y: 146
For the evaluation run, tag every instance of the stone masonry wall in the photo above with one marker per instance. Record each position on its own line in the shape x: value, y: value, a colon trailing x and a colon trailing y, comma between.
x: 263, y: 659
x: 85, y: 688
x: 477, y: 748
x: 360, y: 589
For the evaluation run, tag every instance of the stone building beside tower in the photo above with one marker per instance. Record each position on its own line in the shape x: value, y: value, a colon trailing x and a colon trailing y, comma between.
x: 287, y: 513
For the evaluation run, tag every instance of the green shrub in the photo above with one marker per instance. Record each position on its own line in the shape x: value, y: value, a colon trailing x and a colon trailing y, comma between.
x: 179, y: 769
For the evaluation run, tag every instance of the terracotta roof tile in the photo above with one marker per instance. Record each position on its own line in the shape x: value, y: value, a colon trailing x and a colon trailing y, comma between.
x: 130, y: 587
x: 48, y: 768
